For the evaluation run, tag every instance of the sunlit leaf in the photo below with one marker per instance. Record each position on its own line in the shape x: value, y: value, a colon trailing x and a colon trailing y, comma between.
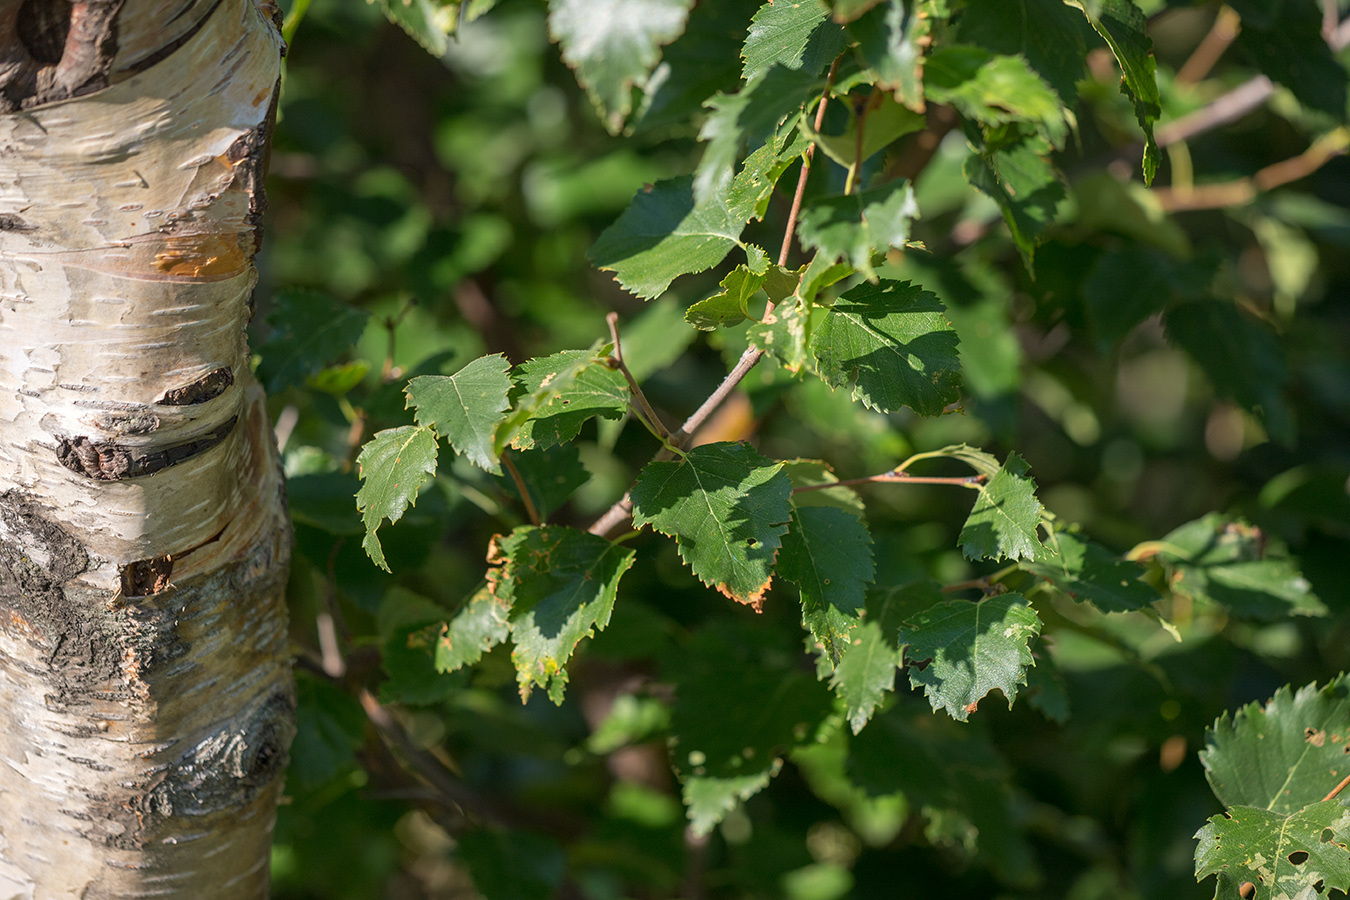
x: 465, y: 408
x: 974, y: 648
x: 727, y: 507
x: 827, y: 553
x: 394, y: 465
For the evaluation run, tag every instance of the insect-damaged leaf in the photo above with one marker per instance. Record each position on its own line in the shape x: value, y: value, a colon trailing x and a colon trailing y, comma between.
x: 1285, y: 857
x: 394, y: 465
x: 560, y: 585
x: 727, y: 508
x: 561, y: 392
x: 975, y: 647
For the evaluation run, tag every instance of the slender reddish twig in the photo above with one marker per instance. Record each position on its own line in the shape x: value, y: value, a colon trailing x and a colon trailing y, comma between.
x: 806, y: 169
x: 644, y: 409
x: 1337, y: 789
x: 530, y: 509
x: 895, y: 478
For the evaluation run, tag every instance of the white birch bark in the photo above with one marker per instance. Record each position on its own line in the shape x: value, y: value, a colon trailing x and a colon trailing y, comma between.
x: 145, y: 694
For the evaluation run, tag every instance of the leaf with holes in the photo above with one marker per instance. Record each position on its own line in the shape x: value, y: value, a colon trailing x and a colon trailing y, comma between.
x: 465, y: 408
x: 727, y: 508
x: 974, y: 648
x: 394, y: 465
x: 1286, y: 857
x: 560, y: 585
x: 1002, y: 523
x: 894, y: 342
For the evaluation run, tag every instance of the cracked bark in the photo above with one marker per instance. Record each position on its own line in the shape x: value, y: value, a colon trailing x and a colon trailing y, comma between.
x: 145, y: 693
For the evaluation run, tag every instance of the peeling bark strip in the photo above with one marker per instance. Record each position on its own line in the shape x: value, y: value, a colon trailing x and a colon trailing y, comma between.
x: 146, y: 705
x: 111, y: 462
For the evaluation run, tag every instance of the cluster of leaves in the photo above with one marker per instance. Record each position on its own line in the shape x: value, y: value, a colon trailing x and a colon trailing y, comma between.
x: 877, y: 351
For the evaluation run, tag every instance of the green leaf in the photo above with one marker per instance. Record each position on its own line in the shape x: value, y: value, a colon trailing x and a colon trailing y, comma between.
x: 729, y: 307
x: 465, y: 408
x: 613, y: 45
x: 1282, y: 755
x: 562, y: 391
x: 630, y: 720
x: 1090, y: 572
x: 894, y: 341
x: 1002, y: 523
x: 551, y: 476
x: 429, y: 22
x: 733, y: 717
x: 329, y: 726
x: 408, y: 626
x: 1287, y: 857
x: 710, y: 799
x: 1229, y: 562
x: 560, y: 585
x: 512, y: 865
x: 974, y: 647
x: 782, y: 334
x: 1242, y: 358
x: 309, y: 331
x: 855, y: 226
x: 827, y: 553
x: 393, y: 465
x: 994, y: 90
x: 1285, y: 41
x: 1022, y: 181
x: 1124, y: 28
x: 886, y: 120
x: 866, y: 673
x: 727, y: 507
x: 780, y: 35
x: 890, y: 42
x: 481, y: 625
x: 701, y: 62
x: 665, y: 234
x: 1046, y: 32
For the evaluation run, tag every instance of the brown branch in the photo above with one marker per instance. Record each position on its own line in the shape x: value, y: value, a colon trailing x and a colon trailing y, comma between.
x: 895, y: 477
x: 1331, y: 795
x: 530, y: 509
x: 806, y: 169
x: 644, y: 409
x: 1207, y: 53
x: 1244, y: 190
x: 1226, y: 108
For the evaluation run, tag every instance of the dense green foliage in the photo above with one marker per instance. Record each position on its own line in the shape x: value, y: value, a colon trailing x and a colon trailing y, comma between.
x: 1025, y: 487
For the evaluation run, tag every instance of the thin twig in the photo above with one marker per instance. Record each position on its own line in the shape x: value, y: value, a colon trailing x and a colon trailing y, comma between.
x: 1226, y: 108
x: 1331, y: 795
x: 448, y: 786
x: 806, y: 169
x: 644, y: 409
x: 1243, y: 190
x: 1207, y: 53
x: 894, y: 477
x: 530, y: 509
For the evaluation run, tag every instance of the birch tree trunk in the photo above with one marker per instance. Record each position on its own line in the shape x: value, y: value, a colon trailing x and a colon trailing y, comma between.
x: 145, y: 693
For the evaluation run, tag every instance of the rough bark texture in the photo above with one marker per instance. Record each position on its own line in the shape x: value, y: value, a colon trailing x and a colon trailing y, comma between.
x: 145, y: 694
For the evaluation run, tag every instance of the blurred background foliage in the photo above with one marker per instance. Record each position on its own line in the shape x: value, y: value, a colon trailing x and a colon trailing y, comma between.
x: 425, y: 211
